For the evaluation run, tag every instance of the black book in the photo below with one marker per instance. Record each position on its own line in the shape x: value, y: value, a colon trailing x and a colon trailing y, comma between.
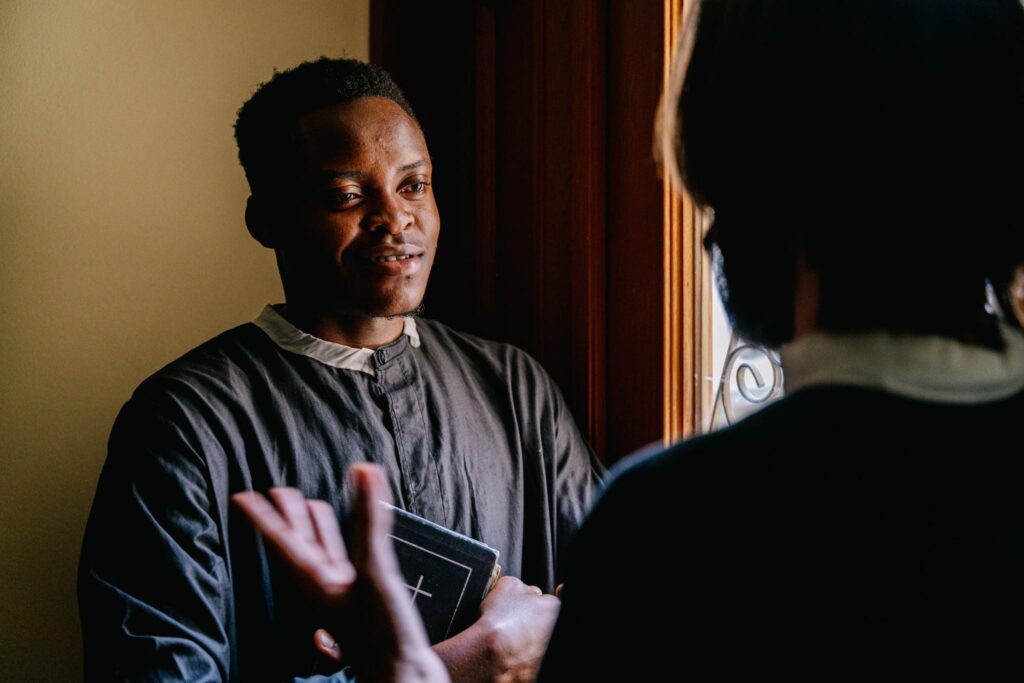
x: 448, y: 574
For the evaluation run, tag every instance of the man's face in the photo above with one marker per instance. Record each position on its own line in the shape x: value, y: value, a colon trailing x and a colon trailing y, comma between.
x: 358, y: 237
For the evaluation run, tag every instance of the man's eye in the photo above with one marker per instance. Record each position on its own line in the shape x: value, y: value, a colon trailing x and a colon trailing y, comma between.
x: 417, y: 188
x: 343, y: 197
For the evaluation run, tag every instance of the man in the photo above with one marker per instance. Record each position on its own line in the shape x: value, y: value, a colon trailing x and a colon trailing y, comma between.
x: 864, y: 164
x: 869, y: 524
x: 472, y: 434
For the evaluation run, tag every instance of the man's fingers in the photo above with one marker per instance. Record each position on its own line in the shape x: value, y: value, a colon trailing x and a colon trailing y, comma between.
x: 326, y: 645
x: 372, y: 481
x: 260, y: 512
x: 328, y: 533
x: 306, y: 535
x: 292, y: 505
x: 375, y: 554
x: 277, y: 530
x: 371, y: 520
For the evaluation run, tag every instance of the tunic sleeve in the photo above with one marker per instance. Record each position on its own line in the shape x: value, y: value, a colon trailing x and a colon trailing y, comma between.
x: 578, y: 476
x: 154, y: 586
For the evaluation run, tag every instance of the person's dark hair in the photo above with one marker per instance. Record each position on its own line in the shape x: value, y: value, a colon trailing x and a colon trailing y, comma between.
x: 883, y: 139
x: 266, y: 123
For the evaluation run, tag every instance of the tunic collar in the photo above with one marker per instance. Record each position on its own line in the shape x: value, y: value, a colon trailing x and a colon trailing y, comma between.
x: 929, y: 368
x: 294, y: 340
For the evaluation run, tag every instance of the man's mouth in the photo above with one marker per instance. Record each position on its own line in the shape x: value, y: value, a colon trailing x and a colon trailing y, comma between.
x: 390, y: 261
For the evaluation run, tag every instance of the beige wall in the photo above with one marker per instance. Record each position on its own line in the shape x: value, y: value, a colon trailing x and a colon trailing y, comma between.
x: 122, y: 245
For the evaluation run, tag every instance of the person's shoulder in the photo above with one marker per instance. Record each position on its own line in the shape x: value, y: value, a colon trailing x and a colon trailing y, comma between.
x: 720, y: 449
x: 712, y: 466
x: 433, y: 331
x: 216, y: 365
x: 438, y: 337
x: 181, y: 402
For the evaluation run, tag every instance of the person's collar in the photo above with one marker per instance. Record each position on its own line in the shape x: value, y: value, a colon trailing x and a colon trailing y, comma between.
x: 294, y: 340
x: 929, y: 368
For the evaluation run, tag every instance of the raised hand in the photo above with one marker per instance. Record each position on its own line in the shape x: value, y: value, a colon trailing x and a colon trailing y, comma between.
x: 363, y: 599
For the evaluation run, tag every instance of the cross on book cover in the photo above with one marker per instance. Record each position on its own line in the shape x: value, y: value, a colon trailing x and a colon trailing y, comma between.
x: 448, y: 574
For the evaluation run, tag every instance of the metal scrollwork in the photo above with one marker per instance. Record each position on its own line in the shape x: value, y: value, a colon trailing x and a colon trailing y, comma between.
x: 751, y: 377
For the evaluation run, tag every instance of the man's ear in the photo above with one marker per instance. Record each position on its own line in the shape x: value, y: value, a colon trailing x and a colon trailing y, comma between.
x: 260, y: 219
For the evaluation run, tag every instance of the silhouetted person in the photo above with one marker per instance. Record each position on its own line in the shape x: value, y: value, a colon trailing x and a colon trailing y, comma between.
x: 863, y: 162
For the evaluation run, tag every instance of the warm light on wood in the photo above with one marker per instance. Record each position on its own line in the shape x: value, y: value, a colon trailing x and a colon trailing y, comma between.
x: 683, y: 296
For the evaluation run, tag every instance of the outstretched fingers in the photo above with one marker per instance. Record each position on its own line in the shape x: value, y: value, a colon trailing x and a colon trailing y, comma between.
x: 328, y: 533
x: 305, y: 536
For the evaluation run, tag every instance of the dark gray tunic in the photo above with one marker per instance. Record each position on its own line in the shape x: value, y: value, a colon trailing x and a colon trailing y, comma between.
x: 174, y: 584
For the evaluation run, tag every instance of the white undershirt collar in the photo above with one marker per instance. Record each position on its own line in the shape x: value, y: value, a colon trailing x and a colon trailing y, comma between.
x: 929, y: 368
x: 294, y: 340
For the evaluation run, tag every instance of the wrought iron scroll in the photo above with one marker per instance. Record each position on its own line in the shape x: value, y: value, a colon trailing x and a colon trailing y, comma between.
x: 751, y: 378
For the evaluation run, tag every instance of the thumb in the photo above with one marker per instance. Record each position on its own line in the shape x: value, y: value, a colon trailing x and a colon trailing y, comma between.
x: 374, y: 555
x: 372, y: 521
x: 326, y: 645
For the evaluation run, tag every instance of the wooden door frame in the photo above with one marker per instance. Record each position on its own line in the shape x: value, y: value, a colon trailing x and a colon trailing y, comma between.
x: 560, y: 234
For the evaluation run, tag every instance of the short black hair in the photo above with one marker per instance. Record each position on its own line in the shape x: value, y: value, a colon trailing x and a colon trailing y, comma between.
x: 884, y: 139
x: 266, y: 123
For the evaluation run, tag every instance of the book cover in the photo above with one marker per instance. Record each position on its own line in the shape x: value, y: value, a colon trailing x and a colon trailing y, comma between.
x: 448, y: 574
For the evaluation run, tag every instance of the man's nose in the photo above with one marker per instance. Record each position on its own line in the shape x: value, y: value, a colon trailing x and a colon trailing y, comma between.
x: 389, y: 214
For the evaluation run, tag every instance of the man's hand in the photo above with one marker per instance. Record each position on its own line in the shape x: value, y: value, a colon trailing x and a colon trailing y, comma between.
x: 364, y: 600
x: 505, y: 644
x: 518, y: 620
x: 508, y: 641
